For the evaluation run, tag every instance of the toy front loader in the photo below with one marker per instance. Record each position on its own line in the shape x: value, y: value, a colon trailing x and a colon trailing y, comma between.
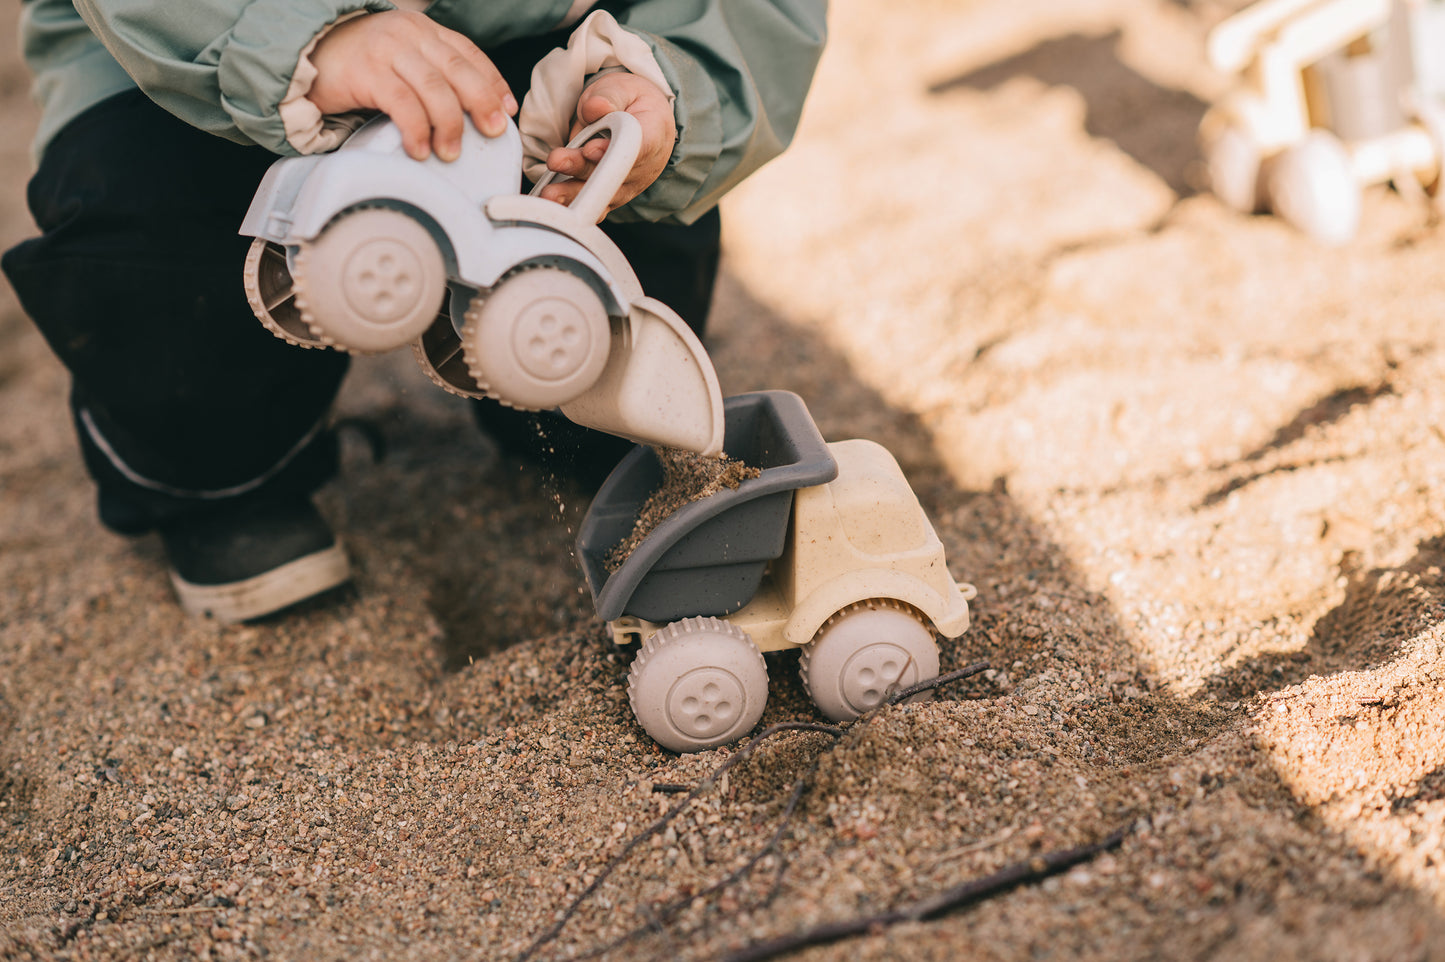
x: 500, y: 294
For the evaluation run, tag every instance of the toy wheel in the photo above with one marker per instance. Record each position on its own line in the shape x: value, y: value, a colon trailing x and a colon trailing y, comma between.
x: 698, y: 683
x: 438, y: 353
x: 863, y: 654
x: 1232, y: 157
x: 538, y: 339
x: 273, y: 296
x: 373, y: 280
x: 1312, y: 186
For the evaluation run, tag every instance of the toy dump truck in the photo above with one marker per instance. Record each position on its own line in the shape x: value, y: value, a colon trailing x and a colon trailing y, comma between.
x: 500, y: 294
x: 826, y: 551
x: 1331, y: 96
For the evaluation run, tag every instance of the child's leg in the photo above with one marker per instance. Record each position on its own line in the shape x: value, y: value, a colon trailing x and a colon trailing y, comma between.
x: 184, y: 404
x: 192, y: 418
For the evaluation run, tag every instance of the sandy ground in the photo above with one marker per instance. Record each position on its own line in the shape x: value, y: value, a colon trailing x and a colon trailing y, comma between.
x: 1192, y: 461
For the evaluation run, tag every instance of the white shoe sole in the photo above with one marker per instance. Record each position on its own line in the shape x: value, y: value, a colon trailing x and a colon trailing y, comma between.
x: 266, y: 593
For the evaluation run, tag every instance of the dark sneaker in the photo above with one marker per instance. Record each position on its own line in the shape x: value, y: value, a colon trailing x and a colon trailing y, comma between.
x: 254, y: 560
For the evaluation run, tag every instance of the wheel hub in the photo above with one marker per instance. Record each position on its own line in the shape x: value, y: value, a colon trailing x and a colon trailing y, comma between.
x: 704, y: 703
x: 538, y: 339
x: 874, y: 672
x: 552, y: 338
x: 381, y: 280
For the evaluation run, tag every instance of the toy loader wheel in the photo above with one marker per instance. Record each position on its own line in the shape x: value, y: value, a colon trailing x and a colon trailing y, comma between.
x: 865, y: 653
x: 697, y: 684
x: 372, y: 281
x: 538, y: 339
x: 272, y: 295
x: 1232, y: 157
x: 1312, y: 185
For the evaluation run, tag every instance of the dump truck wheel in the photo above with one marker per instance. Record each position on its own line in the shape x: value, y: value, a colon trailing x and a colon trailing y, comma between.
x: 1312, y: 186
x: 864, y: 654
x: 372, y: 281
x: 538, y: 339
x: 697, y: 684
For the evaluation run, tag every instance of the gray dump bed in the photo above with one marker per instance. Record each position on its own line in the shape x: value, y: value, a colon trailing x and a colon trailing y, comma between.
x: 708, y: 557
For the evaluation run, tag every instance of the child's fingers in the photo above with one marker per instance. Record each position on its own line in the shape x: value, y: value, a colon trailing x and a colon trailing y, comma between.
x: 482, y: 87
x: 425, y: 77
x: 569, y: 161
x: 578, y: 161
x: 563, y: 193
x: 479, y: 99
x: 398, y: 101
x: 438, y: 98
x: 572, y: 162
x: 474, y: 83
x: 594, y: 105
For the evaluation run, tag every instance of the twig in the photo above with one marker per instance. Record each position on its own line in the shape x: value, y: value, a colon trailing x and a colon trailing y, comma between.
x: 1019, y: 873
x: 939, y: 682
x: 742, y: 754
x: 715, y: 776
x: 669, y: 911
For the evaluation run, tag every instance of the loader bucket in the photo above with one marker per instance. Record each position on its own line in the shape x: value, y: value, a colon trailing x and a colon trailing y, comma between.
x: 658, y: 387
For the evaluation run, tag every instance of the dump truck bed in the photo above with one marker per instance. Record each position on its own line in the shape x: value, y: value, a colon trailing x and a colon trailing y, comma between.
x: 709, y: 556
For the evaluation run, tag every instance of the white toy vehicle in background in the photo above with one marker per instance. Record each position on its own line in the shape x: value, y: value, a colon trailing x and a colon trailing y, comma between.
x: 1331, y: 96
x: 500, y: 294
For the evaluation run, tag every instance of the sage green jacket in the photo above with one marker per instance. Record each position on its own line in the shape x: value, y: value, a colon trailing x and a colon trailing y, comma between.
x: 739, y: 68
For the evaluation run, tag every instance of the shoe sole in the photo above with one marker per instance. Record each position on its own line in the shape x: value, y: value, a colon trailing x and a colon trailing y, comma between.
x: 266, y: 593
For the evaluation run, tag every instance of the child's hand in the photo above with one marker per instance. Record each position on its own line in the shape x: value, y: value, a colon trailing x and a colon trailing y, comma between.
x: 643, y: 100
x: 425, y: 77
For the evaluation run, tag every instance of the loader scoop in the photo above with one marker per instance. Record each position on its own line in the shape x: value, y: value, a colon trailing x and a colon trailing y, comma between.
x: 658, y: 387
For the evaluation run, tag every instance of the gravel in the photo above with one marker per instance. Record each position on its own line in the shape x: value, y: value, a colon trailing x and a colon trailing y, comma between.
x: 1191, y: 461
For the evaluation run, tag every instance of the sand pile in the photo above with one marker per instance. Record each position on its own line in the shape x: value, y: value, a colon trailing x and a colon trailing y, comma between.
x: 1192, y: 461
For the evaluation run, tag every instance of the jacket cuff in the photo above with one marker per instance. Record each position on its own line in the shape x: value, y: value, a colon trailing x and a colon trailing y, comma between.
x: 550, y: 107
x: 308, y: 131
x: 255, y: 77
x: 698, y: 114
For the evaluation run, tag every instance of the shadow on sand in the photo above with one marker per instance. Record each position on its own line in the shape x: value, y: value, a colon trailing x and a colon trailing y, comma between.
x: 1153, y: 124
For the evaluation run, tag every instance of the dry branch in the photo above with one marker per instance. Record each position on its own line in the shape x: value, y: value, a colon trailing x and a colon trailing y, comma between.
x: 939, y: 682
x: 658, y: 916
x: 672, y: 909
x: 1020, y: 873
x: 742, y: 754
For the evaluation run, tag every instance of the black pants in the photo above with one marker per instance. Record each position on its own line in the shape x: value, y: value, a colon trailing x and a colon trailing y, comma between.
x: 183, y: 402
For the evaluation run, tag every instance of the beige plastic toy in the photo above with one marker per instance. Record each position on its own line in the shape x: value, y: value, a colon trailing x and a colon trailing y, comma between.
x: 500, y: 294
x: 1332, y: 96
x: 827, y: 551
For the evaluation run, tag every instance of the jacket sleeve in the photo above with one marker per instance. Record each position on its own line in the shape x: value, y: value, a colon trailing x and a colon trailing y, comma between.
x: 221, y: 65
x: 740, y: 69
